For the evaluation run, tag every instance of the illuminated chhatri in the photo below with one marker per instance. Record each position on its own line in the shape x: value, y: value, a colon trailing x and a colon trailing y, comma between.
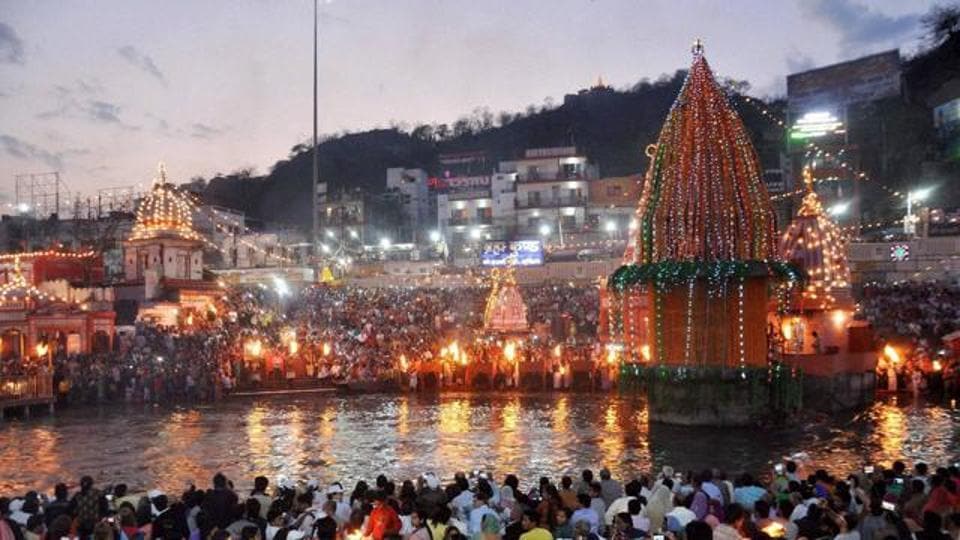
x: 704, y: 198
x: 164, y: 212
x: 505, y: 310
x: 817, y: 245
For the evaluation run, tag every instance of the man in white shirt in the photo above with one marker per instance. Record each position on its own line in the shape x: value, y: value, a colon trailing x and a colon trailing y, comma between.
x: 621, y: 504
x: 585, y: 513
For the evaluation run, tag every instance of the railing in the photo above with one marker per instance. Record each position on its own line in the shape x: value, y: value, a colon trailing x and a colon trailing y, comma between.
x: 548, y: 177
x: 16, y: 388
x: 551, y: 203
x: 476, y: 220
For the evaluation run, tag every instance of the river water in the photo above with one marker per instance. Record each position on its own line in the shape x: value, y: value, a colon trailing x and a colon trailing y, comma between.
x: 340, y: 437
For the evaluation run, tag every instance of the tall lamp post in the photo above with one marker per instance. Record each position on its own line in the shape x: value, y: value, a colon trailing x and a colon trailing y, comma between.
x: 910, y: 220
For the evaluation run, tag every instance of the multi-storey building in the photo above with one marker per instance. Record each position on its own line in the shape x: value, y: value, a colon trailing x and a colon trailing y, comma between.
x: 551, y: 191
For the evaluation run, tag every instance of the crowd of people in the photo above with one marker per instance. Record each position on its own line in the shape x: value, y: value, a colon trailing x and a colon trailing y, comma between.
x: 919, y: 311
x: 793, y: 502
x: 343, y: 333
x: 917, y: 320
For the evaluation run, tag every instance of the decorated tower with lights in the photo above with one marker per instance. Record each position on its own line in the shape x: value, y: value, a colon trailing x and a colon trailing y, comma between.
x: 690, y: 304
x: 163, y: 244
x: 505, y: 311
x: 816, y: 330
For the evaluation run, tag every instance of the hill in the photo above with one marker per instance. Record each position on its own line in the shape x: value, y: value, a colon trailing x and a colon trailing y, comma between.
x: 611, y: 127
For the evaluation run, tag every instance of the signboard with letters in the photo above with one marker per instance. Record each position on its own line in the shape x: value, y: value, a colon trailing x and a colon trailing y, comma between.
x: 518, y: 253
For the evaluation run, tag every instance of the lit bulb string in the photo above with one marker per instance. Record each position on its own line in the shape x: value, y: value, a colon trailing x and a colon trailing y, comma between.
x: 213, y: 214
x: 246, y: 230
x: 18, y: 287
x: 48, y: 253
x: 817, y: 151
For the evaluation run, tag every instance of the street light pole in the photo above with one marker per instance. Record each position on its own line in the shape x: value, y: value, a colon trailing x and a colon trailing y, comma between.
x: 316, y: 174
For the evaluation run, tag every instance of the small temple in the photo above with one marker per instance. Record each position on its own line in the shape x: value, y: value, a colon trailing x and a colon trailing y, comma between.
x: 50, y: 303
x: 163, y: 257
x: 505, y: 311
x: 815, y: 328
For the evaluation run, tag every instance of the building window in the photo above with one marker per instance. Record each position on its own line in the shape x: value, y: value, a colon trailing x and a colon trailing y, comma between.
x: 533, y: 198
x: 614, y: 190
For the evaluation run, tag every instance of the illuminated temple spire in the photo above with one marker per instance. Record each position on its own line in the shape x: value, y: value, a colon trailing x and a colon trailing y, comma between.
x: 164, y: 212
x: 703, y: 197
x: 817, y: 245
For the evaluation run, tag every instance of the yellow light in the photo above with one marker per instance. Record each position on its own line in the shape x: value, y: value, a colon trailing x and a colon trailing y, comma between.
x: 611, y: 356
x: 775, y: 530
x: 42, y: 349
x: 326, y: 349
x: 254, y: 348
x: 937, y: 366
x: 891, y: 353
x: 404, y: 365
x: 294, y: 347
x: 645, y: 352
x: 189, y: 320
x: 510, y: 351
x: 464, y: 359
x: 557, y: 351
x: 839, y: 317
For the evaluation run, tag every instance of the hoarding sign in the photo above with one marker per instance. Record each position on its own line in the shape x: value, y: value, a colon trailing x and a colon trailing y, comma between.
x: 518, y: 253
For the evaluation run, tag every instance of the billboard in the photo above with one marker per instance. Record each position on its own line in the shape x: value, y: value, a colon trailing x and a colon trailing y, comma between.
x: 864, y: 79
x: 518, y: 253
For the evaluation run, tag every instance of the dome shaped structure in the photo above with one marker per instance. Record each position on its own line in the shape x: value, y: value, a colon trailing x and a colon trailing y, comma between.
x: 163, y: 213
x: 505, y: 311
x: 814, y: 243
x: 704, y: 199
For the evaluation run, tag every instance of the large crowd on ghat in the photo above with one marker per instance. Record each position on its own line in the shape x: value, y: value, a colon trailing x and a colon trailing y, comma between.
x: 344, y: 332
x: 795, y: 501
x: 349, y: 333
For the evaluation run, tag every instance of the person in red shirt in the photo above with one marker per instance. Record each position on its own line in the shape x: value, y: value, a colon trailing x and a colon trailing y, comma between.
x: 383, y: 521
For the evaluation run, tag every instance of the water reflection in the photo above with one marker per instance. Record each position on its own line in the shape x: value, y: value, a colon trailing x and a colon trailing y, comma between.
x: 350, y: 437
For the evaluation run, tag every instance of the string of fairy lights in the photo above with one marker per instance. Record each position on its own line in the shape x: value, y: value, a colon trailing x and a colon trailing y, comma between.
x: 815, y: 151
x: 17, y: 289
x: 167, y: 211
x: 704, y: 216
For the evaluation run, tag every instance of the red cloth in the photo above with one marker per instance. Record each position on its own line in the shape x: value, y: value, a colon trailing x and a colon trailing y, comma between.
x: 383, y: 521
x: 941, y: 501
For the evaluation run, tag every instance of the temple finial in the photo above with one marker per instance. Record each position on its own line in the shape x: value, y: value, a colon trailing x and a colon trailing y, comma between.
x: 697, y: 48
x: 161, y: 173
x: 808, y: 178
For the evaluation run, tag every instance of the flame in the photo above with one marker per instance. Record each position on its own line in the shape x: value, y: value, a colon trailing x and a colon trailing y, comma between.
x: 937, y: 366
x: 294, y: 346
x: 326, y: 349
x: 510, y: 351
x: 254, y: 348
x: 891, y: 353
x: 557, y: 351
x: 645, y: 352
x: 42, y: 349
x: 404, y: 365
x: 189, y: 319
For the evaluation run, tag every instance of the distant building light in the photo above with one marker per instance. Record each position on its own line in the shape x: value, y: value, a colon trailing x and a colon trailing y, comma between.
x: 815, y: 124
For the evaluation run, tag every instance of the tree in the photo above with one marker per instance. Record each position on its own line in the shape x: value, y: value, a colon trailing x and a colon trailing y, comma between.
x: 423, y: 132
x: 942, y: 23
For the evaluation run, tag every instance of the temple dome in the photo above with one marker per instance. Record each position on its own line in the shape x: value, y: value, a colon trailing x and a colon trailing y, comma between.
x: 703, y: 198
x: 164, y: 212
x: 816, y: 244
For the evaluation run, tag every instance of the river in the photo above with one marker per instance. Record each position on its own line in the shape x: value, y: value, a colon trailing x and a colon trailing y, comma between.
x: 340, y: 437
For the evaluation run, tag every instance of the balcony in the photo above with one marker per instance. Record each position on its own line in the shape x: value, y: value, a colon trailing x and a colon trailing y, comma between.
x: 550, y: 203
x: 551, y: 176
x: 475, y: 220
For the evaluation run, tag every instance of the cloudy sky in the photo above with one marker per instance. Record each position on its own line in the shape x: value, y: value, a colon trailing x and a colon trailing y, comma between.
x: 101, y: 90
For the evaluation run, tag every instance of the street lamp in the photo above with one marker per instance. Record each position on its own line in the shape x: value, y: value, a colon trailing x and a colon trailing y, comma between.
x: 434, y: 236
x: 385, y: 242
x: 475, y: 233
x: 839, y: 209
x: 353, y: 233
x: 910, y: 221
x: 330, y: 234
x: 544, y: 230
x: 324, y: 248
x: 610, y: 226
